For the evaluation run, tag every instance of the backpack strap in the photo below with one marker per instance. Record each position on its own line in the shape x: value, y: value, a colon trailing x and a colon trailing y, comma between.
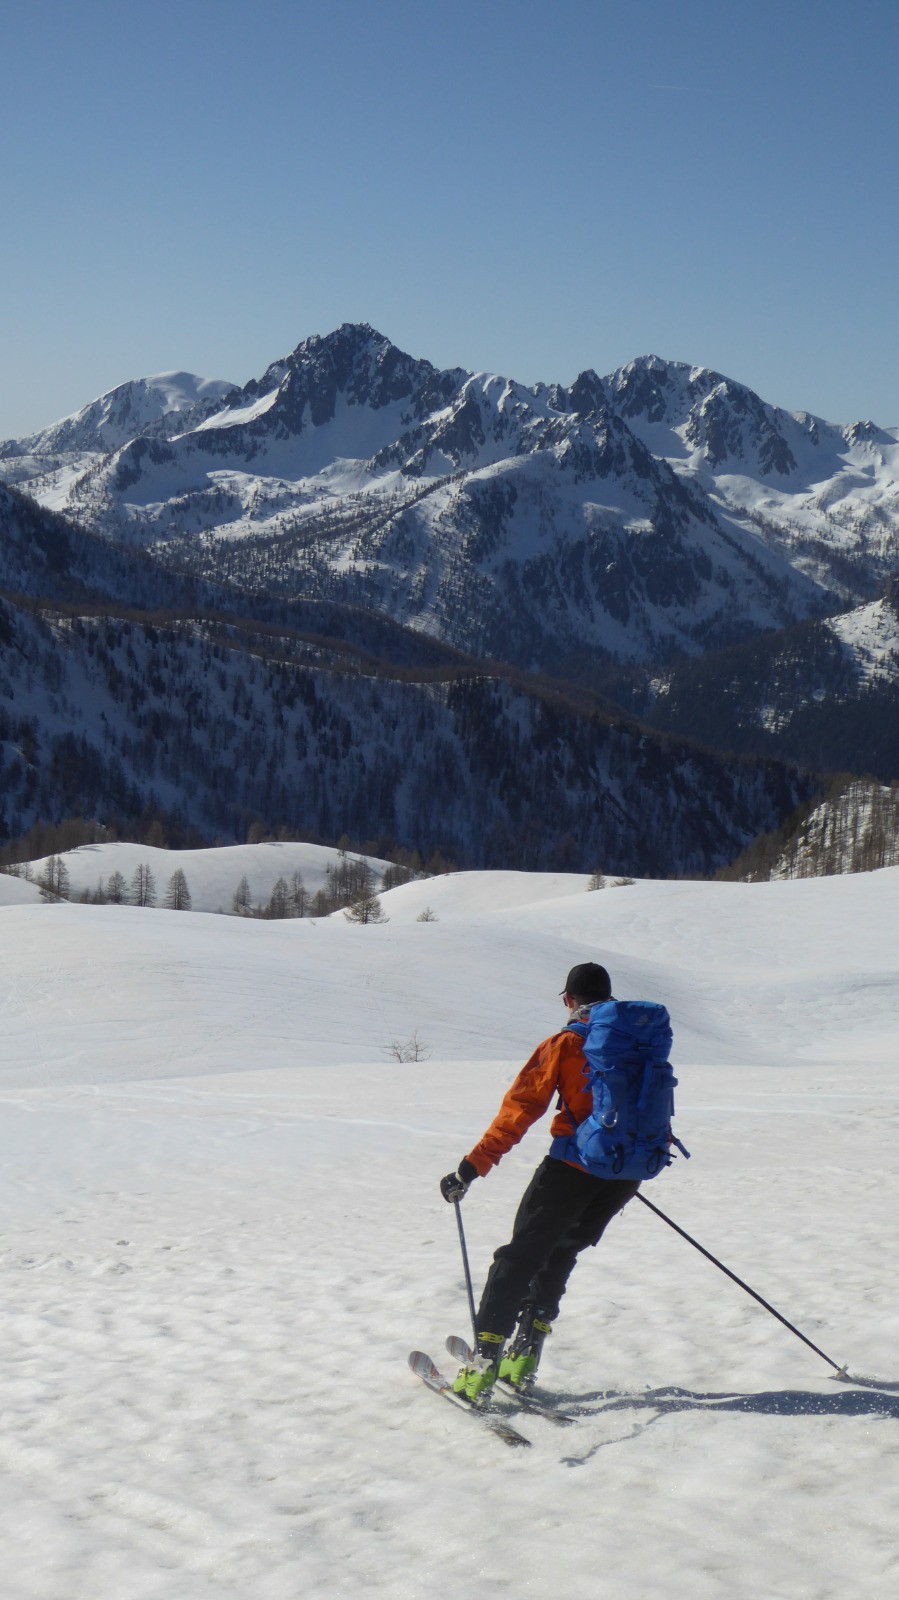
x: 579, y: 1028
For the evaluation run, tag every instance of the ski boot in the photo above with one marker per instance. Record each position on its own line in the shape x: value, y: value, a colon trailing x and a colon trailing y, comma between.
x: 476, y: 1381
x: 519, y: 1367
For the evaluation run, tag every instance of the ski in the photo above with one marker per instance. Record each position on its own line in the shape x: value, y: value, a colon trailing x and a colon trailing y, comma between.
x: 462, y: 1352
x: 434, y: 1379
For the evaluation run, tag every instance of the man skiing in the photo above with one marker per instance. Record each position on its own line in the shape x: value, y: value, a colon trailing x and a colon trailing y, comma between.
x: 564, y: 1209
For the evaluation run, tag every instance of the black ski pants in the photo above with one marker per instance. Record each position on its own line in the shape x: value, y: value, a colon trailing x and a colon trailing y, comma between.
x: 562, y: 1211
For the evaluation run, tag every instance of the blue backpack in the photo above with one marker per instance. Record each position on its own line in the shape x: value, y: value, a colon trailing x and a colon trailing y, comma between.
x: 628, y: 1132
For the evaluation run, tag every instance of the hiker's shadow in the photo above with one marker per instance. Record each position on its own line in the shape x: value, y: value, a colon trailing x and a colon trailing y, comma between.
x: 864, y: 1398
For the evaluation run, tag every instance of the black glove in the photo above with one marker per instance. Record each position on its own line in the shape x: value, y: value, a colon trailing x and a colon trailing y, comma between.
x: 456, y: 1185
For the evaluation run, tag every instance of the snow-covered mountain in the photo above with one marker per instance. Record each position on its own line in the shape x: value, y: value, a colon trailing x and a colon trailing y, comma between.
x: 104, y: 425
x: 697, y: 415
x: 659, y: 510
x: 826, y: 497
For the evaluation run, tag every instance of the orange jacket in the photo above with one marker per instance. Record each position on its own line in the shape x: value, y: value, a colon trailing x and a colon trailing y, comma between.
x: 555, y: 1068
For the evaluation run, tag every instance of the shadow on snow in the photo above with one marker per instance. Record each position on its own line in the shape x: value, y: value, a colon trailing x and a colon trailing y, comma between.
x: 857, y: 1397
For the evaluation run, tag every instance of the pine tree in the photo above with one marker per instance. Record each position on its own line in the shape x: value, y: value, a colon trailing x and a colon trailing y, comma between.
x: 143, y: 886
x: 278, y: 904
x: 116, y: 888
x: 321, y: 904
x: 396, y: 874
x: 241, y: 901
x: 298, y: 895
x: 54, y: 881
x: 177, y: 895
x: 367, y: 908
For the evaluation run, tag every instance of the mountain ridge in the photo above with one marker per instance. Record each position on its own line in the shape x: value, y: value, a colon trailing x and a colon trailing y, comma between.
x: 662, y: 509
x: 524, y: 523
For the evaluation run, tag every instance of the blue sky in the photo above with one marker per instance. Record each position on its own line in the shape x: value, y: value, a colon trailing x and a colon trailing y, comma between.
x: 524, y: 187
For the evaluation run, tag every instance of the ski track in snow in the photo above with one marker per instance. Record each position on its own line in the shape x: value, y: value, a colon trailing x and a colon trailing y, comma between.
x: 223, y: 1235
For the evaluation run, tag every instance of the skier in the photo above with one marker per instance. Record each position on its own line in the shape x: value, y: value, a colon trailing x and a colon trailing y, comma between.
x: 564, y: 1209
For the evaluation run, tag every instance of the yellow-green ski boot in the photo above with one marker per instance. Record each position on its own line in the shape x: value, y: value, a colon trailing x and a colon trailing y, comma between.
x: 519, y: 1367
x: 476, y: 1381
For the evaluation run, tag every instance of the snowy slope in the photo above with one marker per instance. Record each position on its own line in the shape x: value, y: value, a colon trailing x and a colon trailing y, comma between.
x: 212, y: 875
x: 16, y: 892
x: 223, y: 1233
x: 870, y: 635
x: 855, y: 828
x: 53, y: 459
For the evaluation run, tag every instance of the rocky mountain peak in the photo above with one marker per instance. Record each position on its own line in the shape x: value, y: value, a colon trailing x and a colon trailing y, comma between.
x: 587, y: 393
x: 723, y: 421
x: 655, y: 390
x: 356, y: 363
x: 867, y: 433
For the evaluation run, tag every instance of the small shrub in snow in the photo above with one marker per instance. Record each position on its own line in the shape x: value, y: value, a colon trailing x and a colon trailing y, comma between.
x: 413, y: 1049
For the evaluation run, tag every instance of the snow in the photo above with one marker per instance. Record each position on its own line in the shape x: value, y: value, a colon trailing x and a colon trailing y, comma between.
x: 16, y: 892
x: 239, y: 415
x: 348, y: 439
x: 107, y: 422
x: 870, y: 635
x: 223, y: 1234
x: 181, y: 390
x: 212, y: 875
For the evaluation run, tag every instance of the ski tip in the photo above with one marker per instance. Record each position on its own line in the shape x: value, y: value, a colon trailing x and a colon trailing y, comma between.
x: 421, y: 1365
x: 458, y: 1348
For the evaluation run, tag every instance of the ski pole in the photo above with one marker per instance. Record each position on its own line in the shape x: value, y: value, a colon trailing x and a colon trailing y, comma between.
x: 840, y: 1370
x: 474, y: 1320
